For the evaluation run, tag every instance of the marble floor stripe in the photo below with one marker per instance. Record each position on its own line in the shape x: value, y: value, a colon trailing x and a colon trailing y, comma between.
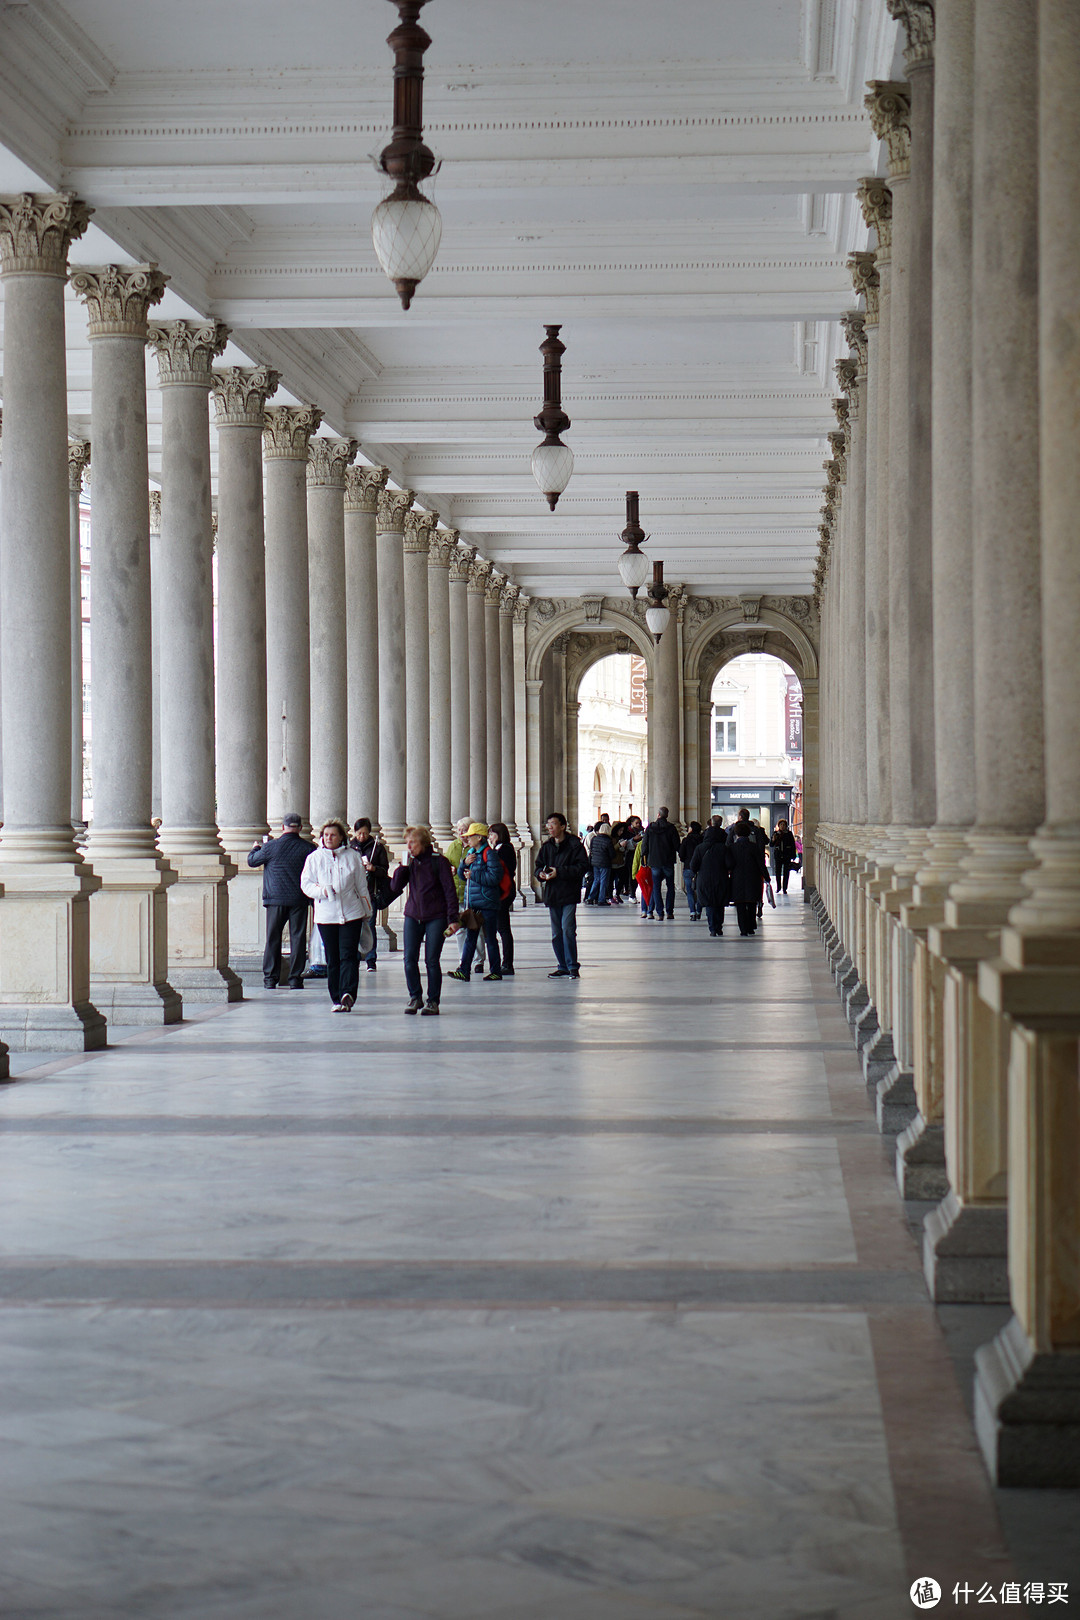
x: 423, y: 1125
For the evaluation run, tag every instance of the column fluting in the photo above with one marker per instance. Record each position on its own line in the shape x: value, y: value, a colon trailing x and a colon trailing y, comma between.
x: 327, y: 463
x: 362, y: 486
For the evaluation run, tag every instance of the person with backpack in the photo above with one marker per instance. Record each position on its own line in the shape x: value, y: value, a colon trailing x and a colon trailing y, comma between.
x: 486, y: 884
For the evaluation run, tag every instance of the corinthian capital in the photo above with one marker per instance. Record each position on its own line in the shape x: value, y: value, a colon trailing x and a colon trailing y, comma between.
x: 479, y: 574
x: 875, y: 200
x: 494, y: 588
x: 36, y: 232
x: 78, y: 461
x: 509, y: 596
x: 461, y: 560
x: 842, y: 410
x: 362, y: 486
x: 889, y: 106
x: 393, y: 505
x: 241, y: 393
x: 419, y: 527
x: 286, y: 431
x: 186, y: 349
x: 846, y: 371
x: 443, y: 546
x: 327, y: 460
x: 521, y: 610
x: 917, y: 17
x: 854, y: 326
x: 117, y: 297
x: 155, y: 511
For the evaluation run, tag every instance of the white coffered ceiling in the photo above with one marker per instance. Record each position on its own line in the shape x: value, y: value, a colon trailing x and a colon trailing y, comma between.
x: 673, y: 183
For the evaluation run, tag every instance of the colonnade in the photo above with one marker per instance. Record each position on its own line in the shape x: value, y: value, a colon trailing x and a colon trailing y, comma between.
x: 949, y: 582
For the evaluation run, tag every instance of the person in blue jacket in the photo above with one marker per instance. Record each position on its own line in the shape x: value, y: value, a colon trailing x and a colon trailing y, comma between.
x: 485, y: 882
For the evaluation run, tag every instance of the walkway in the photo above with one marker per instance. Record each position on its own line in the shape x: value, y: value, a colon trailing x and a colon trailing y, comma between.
x: 586, y: 1301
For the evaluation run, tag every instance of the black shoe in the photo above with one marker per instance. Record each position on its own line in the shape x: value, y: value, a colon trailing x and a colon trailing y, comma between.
x: 269, y: 984
x: 430, y: 1011
x: 415, y: 1004
x: 371, y: 967
x: 508, y: 973
x: 458, y: 974
x: 560, y: 973
x: 574, y: 974
x: 488, y: 977
x: 671, y: 916
x: 296, y: 984
x: 316, y: 973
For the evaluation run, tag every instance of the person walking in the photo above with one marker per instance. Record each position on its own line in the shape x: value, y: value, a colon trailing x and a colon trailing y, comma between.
x: 710, y: 865
x: 335, y: 878
x: 687, y: 849
x: 284, y: 901
x: 431, y: 914
x: 561, y: 864
x: 784, y: 854
x: 660, y: 846
x: 748, y: 875
x: 485, y: 888
x: 601, y: 855
x: 376, y: 859
x: 501, y: 842
x: 470, y: 922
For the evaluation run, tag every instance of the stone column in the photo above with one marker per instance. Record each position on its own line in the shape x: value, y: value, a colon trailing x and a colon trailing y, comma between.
x: 507, y: 602
x: 853, y: 418
x: 199, y: 902
x: 156, y: 572
x: 443, y: 545
x: 526, y: 762
x: 45, y: 937
x: 559, y: 723
x: 362, y: 486
x: 479, y: 574
x: 78, y: 463
x: 664, y: 736
x: 461, y: 561
x: 493, y: 696
x: 240, y: 394
x: 389, y: 544
x: 536, y: 808
x: 129, y: 955
x: 288, y: 656
x: 876, y: 200
x: 417, y: 546
x: 327, y: 462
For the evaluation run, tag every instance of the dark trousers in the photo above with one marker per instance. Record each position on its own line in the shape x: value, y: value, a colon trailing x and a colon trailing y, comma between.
x: 783, y: 872
x: 341, y: 942
x: 714, y: 916
x: 430, y: 935
x: 490, y: 920
x: 564, y: 935
x: 746, y: 912
x: 506, y: 936
x: 297, y: 919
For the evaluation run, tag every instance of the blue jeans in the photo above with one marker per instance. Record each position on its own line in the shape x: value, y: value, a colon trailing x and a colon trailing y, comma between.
x: 690, y: 884
x: 656, y: 904
x: 714, y: 916
x: 431, y: 935
x: 564, y: 935
x: 490, y: 920
x: 600, y: 889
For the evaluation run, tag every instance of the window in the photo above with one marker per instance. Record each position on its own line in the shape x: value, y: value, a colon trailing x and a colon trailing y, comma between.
x: 725, y: 740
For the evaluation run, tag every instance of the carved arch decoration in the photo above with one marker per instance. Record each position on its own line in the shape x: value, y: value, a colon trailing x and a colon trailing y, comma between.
x: 787, y: 627
x: 595, y: 634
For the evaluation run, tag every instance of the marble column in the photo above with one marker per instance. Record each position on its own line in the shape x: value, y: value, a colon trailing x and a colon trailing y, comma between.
x: 479, y: 574
x: 876, y: 200
x: 526, y: 762
x: 853, y: 417
x: 326, y: 466
x: 507, y: 603
x: 240, y: 394
x: 156, y: 587
x: 443, y: 545
x: 199, y: 901
x: 559, y: 722
x: 493, y: 696
x: 664, y: 736
x: 78, y: 463
x: 288, y: 655
x: 45, y: 934
x: 536, y: 802
x: 417, y: 548
x: 390, y: 566
x: 129, y: 954
x: 362, y: 486
x: 461, y: 562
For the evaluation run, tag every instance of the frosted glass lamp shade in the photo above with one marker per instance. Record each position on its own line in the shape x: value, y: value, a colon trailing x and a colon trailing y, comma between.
x: 552, y: 465
x: 406, y: 231
x: 634, y: 569
x: 657, y: 619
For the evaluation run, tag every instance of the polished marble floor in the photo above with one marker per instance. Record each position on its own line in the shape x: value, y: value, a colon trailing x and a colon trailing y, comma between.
x: 587, y: 1301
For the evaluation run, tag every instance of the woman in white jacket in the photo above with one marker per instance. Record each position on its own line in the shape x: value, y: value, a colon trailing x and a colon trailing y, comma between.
x: 335, y: 878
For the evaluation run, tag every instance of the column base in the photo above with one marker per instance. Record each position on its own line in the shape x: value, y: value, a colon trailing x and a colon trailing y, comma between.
x: 921, y: 1174
x: 1027, y: 1411
x: 137, y: 1003
x: 247, y: 916
x: 45, y: 1001
x: 206, y: 986
x: 129, y: 940
x: 895, y: 1102
x: 965, y: 1253
x: 442, y: 833
x: 199, y: 927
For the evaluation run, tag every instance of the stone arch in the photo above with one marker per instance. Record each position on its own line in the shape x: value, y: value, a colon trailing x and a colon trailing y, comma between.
x: 727, y: 634
x: 612, y: 626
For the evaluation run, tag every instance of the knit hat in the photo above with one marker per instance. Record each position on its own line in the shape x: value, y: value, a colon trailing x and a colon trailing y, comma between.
x: 477, y: 830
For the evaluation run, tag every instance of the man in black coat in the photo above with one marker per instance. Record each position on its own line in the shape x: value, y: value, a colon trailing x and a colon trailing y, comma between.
x: 282, y: 860
x: 748, y: 875
x: 561, y: 863
x: 376, y: 861
x: 660, y: 846
x: 711, y: 865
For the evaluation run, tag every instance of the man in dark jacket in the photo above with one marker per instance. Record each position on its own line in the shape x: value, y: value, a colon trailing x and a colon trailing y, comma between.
x: 377, y: 866
x: 282, y: 860
x: 748, y: 875
x: 561, y: 863
x: 710, y: 865
x: 660, y: 847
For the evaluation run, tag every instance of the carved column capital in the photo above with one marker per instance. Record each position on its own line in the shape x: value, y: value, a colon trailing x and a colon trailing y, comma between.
x: 37, y: 230
x: 521, y: 610
x: 866, y: 282
x: 854, y: 325
x: 419, y: 527
x: 155, y: 511
x: 479, y: 574
x: 186, y: 350
x: 78, y: 461
x: 362, y: 486
x: 494, y: 588
x: 118, y: 296
x: 461, y: 561
x: 875, y: 200
x: 392, y: 507
x: 287, y: 429
x: 327, y: 460
x: 917, y: 17
x: 240, y: 395
x: 842, y: 410
x: 889, y: 105
x: 508, y: 597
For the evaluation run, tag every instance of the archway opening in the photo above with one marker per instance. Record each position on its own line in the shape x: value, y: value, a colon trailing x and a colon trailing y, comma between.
x: 612, y: 739
x: 756, y: 741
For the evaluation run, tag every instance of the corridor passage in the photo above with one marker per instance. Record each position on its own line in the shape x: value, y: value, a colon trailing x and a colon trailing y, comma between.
x: 586, y: 1301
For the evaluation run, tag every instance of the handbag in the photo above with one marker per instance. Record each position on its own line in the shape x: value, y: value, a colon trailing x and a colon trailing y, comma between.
x: 367, y: 937
x: 470, y: 918
x: 770, y: 897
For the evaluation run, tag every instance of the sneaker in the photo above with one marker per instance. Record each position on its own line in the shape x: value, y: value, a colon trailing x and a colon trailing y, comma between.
x: 489, y: 976
x: 346, y: 1003
x: 430, y: 1011
x: 508, y: 973
x: 458, y: 974
x: 339, y: 1008
x: 316, y: 973
x: 575, y: 973
x: 560, y: 973
x: 671, y: 916
x: 415, y: 1004
x: 371, y: 967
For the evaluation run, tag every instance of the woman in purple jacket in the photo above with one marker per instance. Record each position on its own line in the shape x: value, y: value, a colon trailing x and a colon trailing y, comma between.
x: 431, y: 913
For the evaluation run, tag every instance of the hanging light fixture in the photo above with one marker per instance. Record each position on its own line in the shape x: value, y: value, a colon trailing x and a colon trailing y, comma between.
x: 552, y: 461
x: 657, y: 614
x: 406, y: 227
x: 633, y: 564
